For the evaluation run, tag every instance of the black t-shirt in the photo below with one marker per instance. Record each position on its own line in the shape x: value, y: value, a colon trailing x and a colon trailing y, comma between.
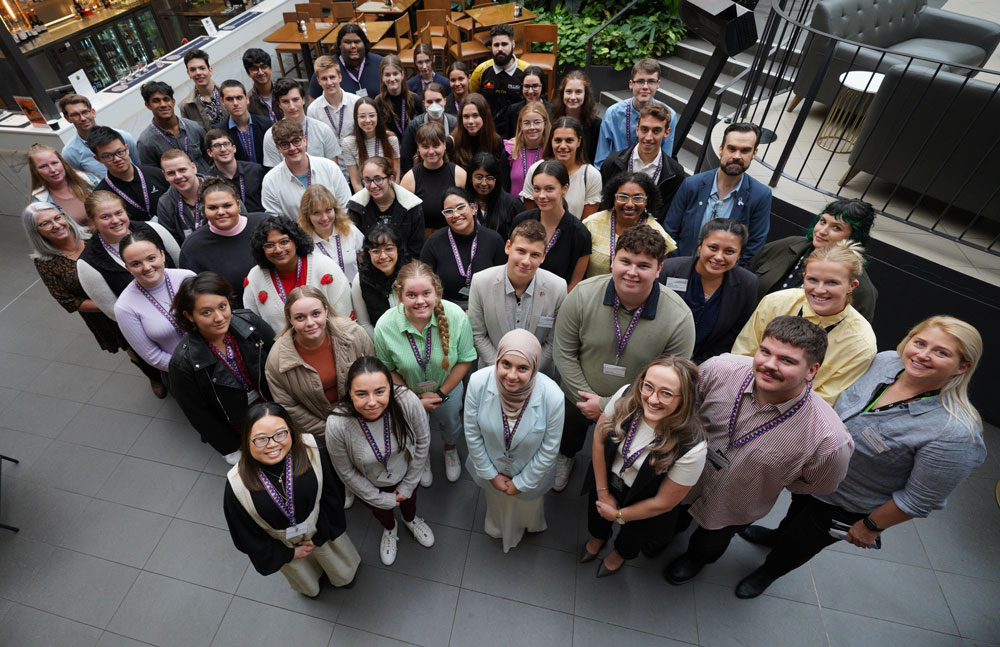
x: 501, y: 91
x: 438, y: 254
x: 230, y: 256
x: 573, y: 243
x: 429, y: 185
x: 253, y: 180
x: 156, y: 186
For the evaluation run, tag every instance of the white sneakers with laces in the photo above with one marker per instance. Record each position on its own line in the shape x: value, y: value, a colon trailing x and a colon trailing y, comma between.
x: 420, y: 531
x: 564, y: 466
x: 452, y: 466
x: 387, y: 548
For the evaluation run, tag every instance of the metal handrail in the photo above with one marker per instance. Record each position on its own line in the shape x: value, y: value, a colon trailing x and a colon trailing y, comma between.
x: 590, y: 38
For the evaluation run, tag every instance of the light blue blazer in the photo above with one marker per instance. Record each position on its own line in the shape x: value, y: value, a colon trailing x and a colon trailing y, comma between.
x: 535, y: 444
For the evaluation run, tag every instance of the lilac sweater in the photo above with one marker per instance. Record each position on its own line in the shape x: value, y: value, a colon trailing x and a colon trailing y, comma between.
x: 148, y: 332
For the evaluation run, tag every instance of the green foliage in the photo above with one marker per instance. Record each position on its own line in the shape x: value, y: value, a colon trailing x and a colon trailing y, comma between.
x: 650, y: 29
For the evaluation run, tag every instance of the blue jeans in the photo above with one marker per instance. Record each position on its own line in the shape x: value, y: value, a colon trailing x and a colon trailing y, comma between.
x: 447, y: 419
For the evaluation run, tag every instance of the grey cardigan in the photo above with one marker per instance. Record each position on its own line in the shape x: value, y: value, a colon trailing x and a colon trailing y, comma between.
x: 916, y: 454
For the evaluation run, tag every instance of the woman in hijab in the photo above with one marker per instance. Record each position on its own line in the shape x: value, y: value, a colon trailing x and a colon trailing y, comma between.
x: 513, y: 425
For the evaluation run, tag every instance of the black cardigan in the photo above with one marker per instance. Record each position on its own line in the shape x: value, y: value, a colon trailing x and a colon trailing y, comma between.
x: 671, y: 176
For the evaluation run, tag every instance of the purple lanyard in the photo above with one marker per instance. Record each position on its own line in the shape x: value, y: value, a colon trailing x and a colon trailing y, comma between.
x: 340, y: 254
x: 524, y: 160
x: 465, y: 273
x: 246, y: 141
x: 233, y: 361
x: 656, y: 173
x: 110, y: 248
x: 173, y: 144
x: 628, y: 123
x: 552, y: 241
x: 121, y: 194
x: 767, y: 426
x: 361, y: 70
x: 622, y: 340
x: 212, y: 108
x: 267, y: 104
x: 508, y: 433
x: 285, y: 503
x: 629, y: 459
x: 277, y: 281
x: 340, y: 122
x: 156, y: 304
x: 197, y: 211
x: 401, y: 122
x: 427, y: 349
x: 243, y: 189
x: 611, y: 252
x: 379, y: 456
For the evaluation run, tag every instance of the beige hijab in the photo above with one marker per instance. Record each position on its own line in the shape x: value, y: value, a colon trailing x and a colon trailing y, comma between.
x: 522, y: 343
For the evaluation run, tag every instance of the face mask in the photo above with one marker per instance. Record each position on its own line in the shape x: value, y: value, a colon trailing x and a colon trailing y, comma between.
x: 435, y: 111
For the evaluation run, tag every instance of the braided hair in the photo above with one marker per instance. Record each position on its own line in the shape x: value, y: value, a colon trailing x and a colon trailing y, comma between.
x: 414, y: 269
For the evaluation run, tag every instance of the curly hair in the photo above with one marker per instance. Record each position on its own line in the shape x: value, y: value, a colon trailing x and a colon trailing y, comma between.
x: 643, y: 180
x: 414, y: 269
x: 284, y: 225
x: 317, y: 197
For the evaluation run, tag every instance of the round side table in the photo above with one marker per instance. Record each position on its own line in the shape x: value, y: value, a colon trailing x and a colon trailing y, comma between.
x: 840, y: 130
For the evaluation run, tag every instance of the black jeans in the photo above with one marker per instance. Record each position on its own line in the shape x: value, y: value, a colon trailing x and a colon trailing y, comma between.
x: 633, y: 534
x: 575, y: 427
x: 706, y: 546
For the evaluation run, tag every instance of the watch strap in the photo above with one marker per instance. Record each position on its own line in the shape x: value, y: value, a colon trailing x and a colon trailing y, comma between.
x: 871, y: 525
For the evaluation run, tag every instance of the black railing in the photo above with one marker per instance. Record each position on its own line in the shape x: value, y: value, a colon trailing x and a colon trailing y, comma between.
x: 590, y: 38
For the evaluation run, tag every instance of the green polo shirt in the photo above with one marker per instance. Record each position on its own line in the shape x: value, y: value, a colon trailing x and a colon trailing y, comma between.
x: 393, y: 347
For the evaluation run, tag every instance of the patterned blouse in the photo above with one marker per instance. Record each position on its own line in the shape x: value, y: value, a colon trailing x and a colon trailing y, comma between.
x: 60, y: 277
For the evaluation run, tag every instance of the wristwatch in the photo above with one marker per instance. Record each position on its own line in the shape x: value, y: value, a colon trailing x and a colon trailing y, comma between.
x: 444, y: 397
x: 619, y: 518
x: 871, y: 525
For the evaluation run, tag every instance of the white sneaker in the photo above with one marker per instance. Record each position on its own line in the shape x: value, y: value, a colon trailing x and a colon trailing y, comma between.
x: 427, y: 477
x: 420, y: 531
x: 234, y: 458
x: 564, y: 466
x: 452, y: 467
x: 348, y: 499
x: 387, y: 548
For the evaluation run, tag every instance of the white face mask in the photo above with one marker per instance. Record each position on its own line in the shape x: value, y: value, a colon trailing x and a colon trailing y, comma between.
x: 435, y: 111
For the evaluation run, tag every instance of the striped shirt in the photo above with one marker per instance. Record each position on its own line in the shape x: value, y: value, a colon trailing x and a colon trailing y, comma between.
x: 807, y: 453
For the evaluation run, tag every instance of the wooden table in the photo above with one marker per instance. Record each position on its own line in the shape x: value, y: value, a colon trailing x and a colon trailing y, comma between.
x: 374, y: 29
x: 289, y: 34
x: 494, y: 14
x: 398, y: 8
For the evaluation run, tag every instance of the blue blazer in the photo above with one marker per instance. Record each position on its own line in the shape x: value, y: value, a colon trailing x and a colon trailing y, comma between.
x: 752, y: 208
x: 414, y: 84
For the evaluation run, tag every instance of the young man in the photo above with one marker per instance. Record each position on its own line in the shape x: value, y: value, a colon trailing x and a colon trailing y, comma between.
x: 78, y: 111
x: 322, y: 141
x: 286, y: 182
x: 358, y: 66
x: 246, y: 128
x: 618, y: 126
x: 334, y: 107
x: 516, y: 295
x: 247, y: 177
x: 167, y: 130
x: 609, y: 328
x: 434, y: 95
x: 257, y: 64
x: 204, y: 105
x: 139, y: 187
x: 725, y: 192
x: 499, y: 79
x: 179, y: 211
x: 647, y: 156
x: 766, y: 430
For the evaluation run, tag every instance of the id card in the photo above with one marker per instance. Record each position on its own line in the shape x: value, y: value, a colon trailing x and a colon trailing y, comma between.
x: 874, y: 440
x: 674, y: 283
x: 427, y: 386
x: 296, y: 532
x: 615, y: 370
x: 464, y: 291
x: 546, y: 322
x: 718, y: 460
x: 361, y: 92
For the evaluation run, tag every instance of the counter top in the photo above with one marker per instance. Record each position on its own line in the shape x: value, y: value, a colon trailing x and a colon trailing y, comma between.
x: 66, y: 29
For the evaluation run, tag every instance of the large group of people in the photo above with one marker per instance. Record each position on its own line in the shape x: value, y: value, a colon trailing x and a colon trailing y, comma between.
x: 326, y: 277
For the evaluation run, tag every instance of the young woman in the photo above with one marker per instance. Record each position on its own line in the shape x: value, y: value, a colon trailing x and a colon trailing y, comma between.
x: 143, y: 308
x: 532, y: 131
x: 286, y: 260
x: 831, y: 274
x: 378, y: 439
x: 566, y: 146
x: 779, y: 264
x: 433, y: 174
x: 649, y: 451
x: 427, y: 344
x: 513, y: 469
x: 476, y: 133
x: 461, y: 249
x: 57, y: 242
x: 567, y: 251
x: 395, y: 102
x: 495, y: 208
x: 383, y: 202
x: 423, y: 60
x: 54, y: 181
x: 284, y: 504
x: 721, y: 295
x: 458, y: 80
x: 379, y: 142
x: 575, y: 98
x: 333, y: 233
x: 308, y: 364
x: 532, y: 89
x: 916, y: 438
x: 628, y: 200
x: 372, y: 290
x: 217, y: 369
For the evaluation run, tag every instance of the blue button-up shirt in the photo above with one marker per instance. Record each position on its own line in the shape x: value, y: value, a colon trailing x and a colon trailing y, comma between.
x: 717, y: 208
x: 80, y: 157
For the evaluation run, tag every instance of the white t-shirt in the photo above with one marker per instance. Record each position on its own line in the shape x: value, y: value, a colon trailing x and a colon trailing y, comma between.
x: 584, y: 187
x: 351, y: 148
x: 340, y: 120
x: 685, y: 471
x: 320, y: 142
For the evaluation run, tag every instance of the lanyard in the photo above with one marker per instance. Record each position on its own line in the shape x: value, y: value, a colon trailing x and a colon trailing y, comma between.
x: 246, y: 142
x: 267, y: 104
x: 361, y: 70
x: 401, y: 122
x: 121, y: 194
x: 508, y: 433
x: 629, y: 459
x: 552, y: 241
x: 465, y: 273
x: 233, y: 360
x: 611, y: 253
x: 622, y: 341
x: 829, y: 328
x: 156, y: 304
x: 243, y: 190
x: 285, y: 503
x: 212, y: 107
x: 379, y: 456
x: 340, y: 254
x: 299, y: 279
x: 197, y: 211
x: 524, y: 160
x: 340, y: 122
x: 628, y: 124
x: 427, y: 349
x: 659, y: 165
x: 173, y: 144
x: 111, y: 249
x: 767, y: 426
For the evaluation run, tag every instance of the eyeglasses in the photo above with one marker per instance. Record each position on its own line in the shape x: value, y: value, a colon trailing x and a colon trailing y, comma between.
x: 378, y: 179
x: 82, y: 113
x: 221, y: 146
x: 253, y: 69
x: 479, y: 177
x: 121, y: 153
x: 459, y: 208
x: 623, y: 198
x: 384, y: 249
x: 283, y: 242
x: 532, y: 86
x: 263, y: 441
x: 645, y: 81
x: 537, y: 123
x: 662, y: 395
x: 49, y: 224
x: 285, y: 145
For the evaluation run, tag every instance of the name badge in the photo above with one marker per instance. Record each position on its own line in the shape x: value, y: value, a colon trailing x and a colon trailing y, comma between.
x: 424, y: 387
x: 505, y: 465
x: 874, y: 440
x: 718, y: 460
x: 385, y: 478
x: 464, y: 291
x: 546, y: 322
x: 674, y: 283
x: 361, y: 92
x: 296, y: 532
x: 252, y: 396
x: 615, y: 370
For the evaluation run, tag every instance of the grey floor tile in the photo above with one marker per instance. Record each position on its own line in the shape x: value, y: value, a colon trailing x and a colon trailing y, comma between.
x: 83, y: 350
x: 975, y: 604
x: 7, y: 395
x: 872, y: 587
x: 170, y: 410
x: 900, y: 544
x: 18, y: 370
x: 215, y: 564
x: 638, y: 599
x: 850, y: 630
x: 72, y: 467
x: 103, y: 428
x: 79, y: 587
x: 350, y: 637
x: 947, y: 538
x: 22, y: 559
x: 590, y: 633
x: 216, y: 464
x: 248, y: 623
x: 443, y: 562
x: 430, y: 607
x: 204, y: 502
x: 274, y: 590
x: 126, y: 393
x: 724, y: 620
x: 109, y: 639
x: 168, y: 613
x: 530, y: 574
x: 26, y: 627
x: 40, y: 415
x: 449, y: 504
x: 743, y: 558
x: 22, y: 447
x: 566, y: 519
x: 114, y: 532
x: 32, y: 340
x: 174, y: 443
x: 41, y: 512
x: 484, y: 621
x: 75, y: 383
x: 151, y: 486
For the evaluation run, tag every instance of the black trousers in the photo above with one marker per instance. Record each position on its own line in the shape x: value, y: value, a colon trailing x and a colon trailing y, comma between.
x: 706, y: 546
x: 633, y: 534
x: 575, y: 427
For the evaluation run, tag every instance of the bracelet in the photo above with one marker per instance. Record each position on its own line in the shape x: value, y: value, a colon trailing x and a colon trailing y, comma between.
x: 601, y: 488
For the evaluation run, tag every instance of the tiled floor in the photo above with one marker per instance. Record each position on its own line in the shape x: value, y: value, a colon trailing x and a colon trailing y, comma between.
x: 123, y: 543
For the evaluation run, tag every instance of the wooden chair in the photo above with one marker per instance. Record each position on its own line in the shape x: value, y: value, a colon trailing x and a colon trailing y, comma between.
x: 298, y: 65
x: 400, y: 40
x: 445, y: 5
x: 439, y: 44
x: 342, y: 11
x: 459, y: 50
x: 436, y: 18
x: 310, y: 10
x: 533, y: 33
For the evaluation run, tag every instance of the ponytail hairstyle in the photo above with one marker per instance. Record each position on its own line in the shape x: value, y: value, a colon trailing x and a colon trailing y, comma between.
x: 248, y: 464
x: 413, y: 269
x: 399, y: 425
x: 141, y: 236
x: 846, y: 252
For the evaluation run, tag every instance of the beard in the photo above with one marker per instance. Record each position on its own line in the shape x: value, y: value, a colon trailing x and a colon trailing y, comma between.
x: 734, y: 168
x: 501, y: 59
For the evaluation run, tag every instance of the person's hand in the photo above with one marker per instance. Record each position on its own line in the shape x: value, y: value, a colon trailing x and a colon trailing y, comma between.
x: 303, y: 549
x: 512, y: 489
x: 400, y: 498
x: 860, y: 536
x: 500, y: 482
x: 590, y: 406
x: 430, y: 400
x: 608, y: 512
x: 605, y: 497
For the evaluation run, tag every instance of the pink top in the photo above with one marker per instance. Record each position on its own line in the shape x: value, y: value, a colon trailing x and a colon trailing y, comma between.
x: 519, y: 165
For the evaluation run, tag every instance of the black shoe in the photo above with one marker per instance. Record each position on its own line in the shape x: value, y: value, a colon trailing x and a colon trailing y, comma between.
x: 754, y: 584
x: 759, y: 535
x: 653, y: 549
x: 604, y: 571
x: 682, y: 569
x: 587, y: 556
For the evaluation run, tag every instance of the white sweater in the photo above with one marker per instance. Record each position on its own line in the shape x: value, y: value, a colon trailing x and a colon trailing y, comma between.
x: 272, y: 309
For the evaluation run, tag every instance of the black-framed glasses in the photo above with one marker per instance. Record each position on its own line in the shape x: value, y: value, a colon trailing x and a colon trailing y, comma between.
x: 285, y: 145
x: 532, y: 86
x: 263, y: 441
x: 221, y: 146
x: 121, y: 153
x: 378, y: 179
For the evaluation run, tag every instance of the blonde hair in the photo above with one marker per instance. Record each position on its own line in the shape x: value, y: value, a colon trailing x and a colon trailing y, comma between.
x: 847, y: 252
x: 955, y: 394
x: 315, y: 196
x: 303, y: 292
x: 325, y: 62
x: 81, y: 189
x: 97, y: 198
x: 531, y: 106
x: 412, y: 270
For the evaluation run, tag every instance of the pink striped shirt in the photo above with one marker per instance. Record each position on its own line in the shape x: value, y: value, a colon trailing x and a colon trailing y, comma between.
x: 807, y: 453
